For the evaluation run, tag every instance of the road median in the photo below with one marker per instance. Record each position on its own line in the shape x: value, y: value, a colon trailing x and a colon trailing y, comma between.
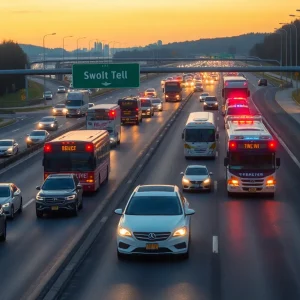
x: 55, y: 280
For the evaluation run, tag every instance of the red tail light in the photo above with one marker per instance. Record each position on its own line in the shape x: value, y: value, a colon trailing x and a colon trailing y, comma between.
x: 232, y: 145
x: 112, y: 113
x: 47, y: 148
x: 89, y: 147
x: 272, y: 145
x: 137, y: 109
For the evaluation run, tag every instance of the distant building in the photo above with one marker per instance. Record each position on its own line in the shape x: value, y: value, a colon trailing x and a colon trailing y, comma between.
x: 159, y: 43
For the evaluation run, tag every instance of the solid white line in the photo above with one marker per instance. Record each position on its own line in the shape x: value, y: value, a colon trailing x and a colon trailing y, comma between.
x: 215, y: 185
x: 217, y: 153
x: 28, y: 203
x: 293, y: 157
x: 215, y: 244
x: 129, y: 181
x: 15, y: 130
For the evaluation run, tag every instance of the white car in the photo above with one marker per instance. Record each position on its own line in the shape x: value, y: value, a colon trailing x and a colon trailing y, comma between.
x: 203, y: 96
x: 156, y: 220
x: 61, y: 89
x: 150, y: 93
x: 10, y: 199
x: 196, y: 177
x: 8, y: 147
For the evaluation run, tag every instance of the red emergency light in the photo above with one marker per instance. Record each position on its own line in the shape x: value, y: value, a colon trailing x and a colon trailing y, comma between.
x: 272, y: 145
x: 47, y: 148
x: 232, y: 145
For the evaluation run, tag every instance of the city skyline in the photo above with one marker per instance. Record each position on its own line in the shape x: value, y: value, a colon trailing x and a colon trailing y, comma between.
x: 133, y: 24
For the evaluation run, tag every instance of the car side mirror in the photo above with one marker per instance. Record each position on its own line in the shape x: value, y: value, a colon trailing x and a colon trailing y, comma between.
x: 181, y: 173
x: 38, y: 188
x: 119, y: 211
x: 211, y: 173
x: 189, y: 212
x: 226, y: 161
x: 79, y: 187
x: 277, y: 162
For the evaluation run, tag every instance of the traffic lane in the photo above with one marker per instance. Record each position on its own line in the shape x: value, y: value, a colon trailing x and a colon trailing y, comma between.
x: 162, y: 278
x: 19, y: 255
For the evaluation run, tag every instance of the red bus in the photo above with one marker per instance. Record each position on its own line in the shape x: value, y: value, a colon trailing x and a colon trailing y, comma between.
x: 85, y: 153
x: 173, y: 91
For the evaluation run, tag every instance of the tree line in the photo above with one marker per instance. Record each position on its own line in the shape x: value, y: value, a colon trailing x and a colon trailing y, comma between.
x: 12, y: 57
x: 270, y: 47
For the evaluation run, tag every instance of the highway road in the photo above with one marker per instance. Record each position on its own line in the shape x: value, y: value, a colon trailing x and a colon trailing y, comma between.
x: 259, y: 244
x: 26, y: 122
x: 34, y: 246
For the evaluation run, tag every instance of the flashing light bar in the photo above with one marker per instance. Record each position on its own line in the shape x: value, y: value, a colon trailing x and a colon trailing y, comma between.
x: 244, y: 118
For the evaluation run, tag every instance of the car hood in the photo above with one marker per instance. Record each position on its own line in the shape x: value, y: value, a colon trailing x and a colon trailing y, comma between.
x: 151, y: 223
x: 196, y: 177
x: 45, y: 193
x: 4, y: 200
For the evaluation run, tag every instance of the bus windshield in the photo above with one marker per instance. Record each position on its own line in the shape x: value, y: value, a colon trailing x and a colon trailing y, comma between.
x: 74, y: 102
x: 69, y: 161
x: 200, y: 135
x: 174, y: 87
x: 248, y: 161
x: 128, y: 104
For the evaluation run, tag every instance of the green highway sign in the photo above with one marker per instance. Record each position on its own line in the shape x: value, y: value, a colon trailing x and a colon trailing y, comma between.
x: 91, y: 76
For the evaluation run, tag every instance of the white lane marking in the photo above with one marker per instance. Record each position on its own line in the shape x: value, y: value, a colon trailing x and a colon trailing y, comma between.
x: 290, y: 153
x: 28, y: 203
x: 215, y: 244
x: 218, y: 118
x: 217, y: 153
x: 15, y: 130
x: 104, y: 219
x: 129, y: 181
x: 217, y: 128
x: 215, y: 185
x: 60, y: 126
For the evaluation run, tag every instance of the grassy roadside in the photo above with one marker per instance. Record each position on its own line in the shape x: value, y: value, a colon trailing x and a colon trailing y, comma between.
x: 4, y: 123
x: 271, y: 79
x: 296, y: 96
x: 35, y: 94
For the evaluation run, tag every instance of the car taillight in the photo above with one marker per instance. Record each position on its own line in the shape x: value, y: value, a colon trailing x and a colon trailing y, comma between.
x: 47, y: 148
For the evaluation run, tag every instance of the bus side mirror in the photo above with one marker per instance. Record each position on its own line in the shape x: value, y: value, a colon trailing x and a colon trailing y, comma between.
x: 248, y: 93
x: 226, y: 161
x: 222, y: 92
x: 277, y: 162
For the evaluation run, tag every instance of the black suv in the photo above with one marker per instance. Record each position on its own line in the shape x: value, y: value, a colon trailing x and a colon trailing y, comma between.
x: 2, y: 225
x: 59, y: 192
x: 263, y: 81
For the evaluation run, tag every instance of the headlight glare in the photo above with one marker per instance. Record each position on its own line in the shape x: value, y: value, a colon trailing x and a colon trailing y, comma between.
x: 123, y: 231
x: 180, y: 232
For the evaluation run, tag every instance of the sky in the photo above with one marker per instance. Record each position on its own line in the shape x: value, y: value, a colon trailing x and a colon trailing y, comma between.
x: 137, y: 22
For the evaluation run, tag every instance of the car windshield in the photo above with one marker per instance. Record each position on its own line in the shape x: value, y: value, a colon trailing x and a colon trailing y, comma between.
x: 4, y: 191
x: 156, y: 101
x: 233, y: 111
x: 150, y: 91
x: 61, y: 87
x: 6, y: 143
x: 58, y: 184
x: 74, y: 102
x: 38, y: 133
x: 47, y: 119
x: 211, y: 99
x: 196, y: 171
x: 154, y: 206
x: 60, y: 106
x: 47, y: 93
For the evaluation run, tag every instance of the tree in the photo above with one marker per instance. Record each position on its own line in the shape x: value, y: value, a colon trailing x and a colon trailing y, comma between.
x: 12, y: 57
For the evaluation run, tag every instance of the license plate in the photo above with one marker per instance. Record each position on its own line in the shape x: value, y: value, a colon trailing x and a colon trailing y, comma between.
x: 151, y: 246
x: 126, y: 112
x: 252, y: 190
x: 54, y: 207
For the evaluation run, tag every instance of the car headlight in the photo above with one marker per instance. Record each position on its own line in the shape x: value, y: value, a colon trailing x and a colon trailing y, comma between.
x: 6, y: 205
x: 39, y: 198
x: 71, y: 197
x: 148, y: 109
x: 123, y: 231
x: 52, y: 125
x: 206, y: 181
x: 180, y: 232
x: 28, y: 139
x: 204, y: 103
x: 9, y: 149
x: 184, y: 180
x: 40, y: 124
x: 54, y: 110
x: 65, y: 110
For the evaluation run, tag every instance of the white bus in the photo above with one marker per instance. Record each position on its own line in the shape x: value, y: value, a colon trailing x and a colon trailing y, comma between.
x: 250, y: 160
x: 106, y: 117
x: 200, y: 135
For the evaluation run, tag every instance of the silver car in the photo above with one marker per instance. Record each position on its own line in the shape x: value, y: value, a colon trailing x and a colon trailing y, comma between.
x: 49, y: 123
x: 157, y: 104
x: 203, y: 96
x: 37, y: 137
x: 8, y: 147
x: 10, y: 199
x: 48, y: 95
x: 196, y: 177
x: 61, y: 89
x: 59, y: 110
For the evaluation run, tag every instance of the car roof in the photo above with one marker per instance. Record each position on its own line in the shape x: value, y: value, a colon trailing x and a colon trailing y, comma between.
x: 6, y: 140
x: 5, y: 184
x: 60, y: 176
x: 196, y: 167
x: 41, y: 130
x: 154, y: 190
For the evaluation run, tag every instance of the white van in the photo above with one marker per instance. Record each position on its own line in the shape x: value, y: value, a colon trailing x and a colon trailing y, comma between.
x: 77, y: 104
x: 105, y: 117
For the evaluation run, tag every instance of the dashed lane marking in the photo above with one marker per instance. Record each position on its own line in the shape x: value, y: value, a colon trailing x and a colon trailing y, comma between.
x: 28, y: 203
x: 15, y: 130
x: 215, y: 244
x: 215, y: 185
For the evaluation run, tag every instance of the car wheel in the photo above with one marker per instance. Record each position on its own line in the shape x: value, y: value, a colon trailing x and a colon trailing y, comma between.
x: 20, y: 210
x: 12, y: 212
x: 39, y: 214
x: 3, y: 235
x: 28, y: 146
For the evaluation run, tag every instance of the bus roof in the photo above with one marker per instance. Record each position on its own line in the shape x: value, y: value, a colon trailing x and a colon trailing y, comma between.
x: 104, y: 106
x: 234, y: 78
x: 200, y: 118
x: 81, y: 136
x: 247, y: 127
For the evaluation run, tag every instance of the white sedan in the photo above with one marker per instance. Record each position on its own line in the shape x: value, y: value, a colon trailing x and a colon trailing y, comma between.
x: 156, y: 220
x: 203, y: 96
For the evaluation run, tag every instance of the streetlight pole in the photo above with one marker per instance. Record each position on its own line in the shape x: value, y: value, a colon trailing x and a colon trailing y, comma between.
x: 286, y: 48
x: 102, y: 42
x: 280, y: 51
x: 63, y: 52
x: 114, y: 50
x: 291, y: 56
x: 45, y: 61
x: 296, y: 38
x: 81, y: 38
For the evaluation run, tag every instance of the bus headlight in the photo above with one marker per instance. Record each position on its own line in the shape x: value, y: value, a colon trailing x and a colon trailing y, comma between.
x: 233, y: 181
x: 271, y: 181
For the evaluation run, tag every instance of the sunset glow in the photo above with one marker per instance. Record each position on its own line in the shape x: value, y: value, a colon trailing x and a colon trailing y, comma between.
x: 138, y: 22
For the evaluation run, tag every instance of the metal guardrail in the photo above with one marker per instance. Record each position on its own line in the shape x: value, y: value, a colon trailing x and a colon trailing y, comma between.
x: 163, y: 70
